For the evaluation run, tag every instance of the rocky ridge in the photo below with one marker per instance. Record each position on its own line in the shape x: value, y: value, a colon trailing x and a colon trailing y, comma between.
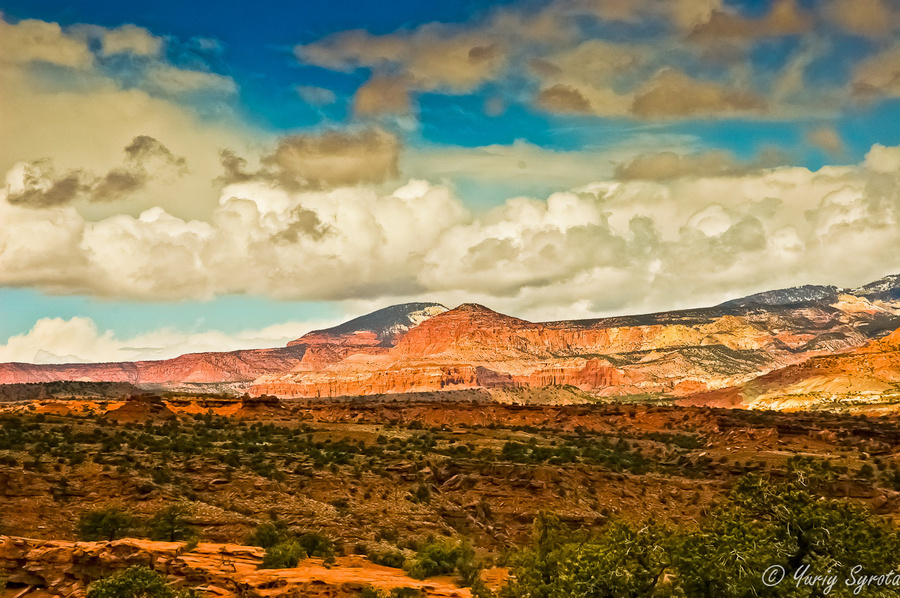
x: 423, y: 347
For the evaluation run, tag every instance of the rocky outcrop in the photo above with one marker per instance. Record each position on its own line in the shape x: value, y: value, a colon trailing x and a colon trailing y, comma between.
x: 234, y: 366
x: 674, y: 354
x: 868, y: 375
x: 224, y: 570
x: 423, y: 347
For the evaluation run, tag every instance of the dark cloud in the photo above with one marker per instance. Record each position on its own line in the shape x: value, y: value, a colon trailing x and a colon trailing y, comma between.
x: 563, y: 98
x: 118, y: 183
x: 784, y: 18
x: 673, y: 94
x: 325, y: 160
x: 234, y: 167
x: 145, y: 157
x: 44, y: 190
x: 304, y: 223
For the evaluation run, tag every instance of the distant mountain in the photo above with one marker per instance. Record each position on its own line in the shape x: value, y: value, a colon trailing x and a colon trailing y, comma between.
x: 719, y: 351
x: 382, y: 327
x: 669, y: 354
x: 803, y: 294
x: 885, y: 289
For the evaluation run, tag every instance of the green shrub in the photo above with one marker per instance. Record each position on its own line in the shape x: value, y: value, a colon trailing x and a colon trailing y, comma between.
x: 761, y: 524
x: 170, y: 524
x: 105, y: 524
x: 268, y: 534
x: 441, y: 557
x: 388, y: 558
x: 136, y: 582
x: 285, y: 555
x: 316, y: 544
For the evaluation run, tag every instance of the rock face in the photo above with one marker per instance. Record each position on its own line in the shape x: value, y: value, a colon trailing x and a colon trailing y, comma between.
x: 868, y: 375
x: 673, y: 354
x: 225, y: 570
x: 234, y: 366
x: 423, y: 347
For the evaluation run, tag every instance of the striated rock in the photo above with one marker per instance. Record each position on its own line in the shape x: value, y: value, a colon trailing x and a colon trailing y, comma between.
x: 866, y: 376
x: 234, y: 366
x: 675, y: 354
x: 424, y: 347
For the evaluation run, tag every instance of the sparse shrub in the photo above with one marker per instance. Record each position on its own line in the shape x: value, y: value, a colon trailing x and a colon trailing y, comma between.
x: 268, y: 534
x: 136, y: 582
x: 285, y: 555
x: 388, y: 558
x: 440, y: 557
x: 170, y: 524
x: 105, y: 524
x: 316, y: 544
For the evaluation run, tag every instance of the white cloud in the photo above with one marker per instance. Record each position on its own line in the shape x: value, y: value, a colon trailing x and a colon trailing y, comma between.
x: 130, y: 39
x: 55, y: 340
x: 632, y: 246
x: 37, y: 41
x: 56, y: 114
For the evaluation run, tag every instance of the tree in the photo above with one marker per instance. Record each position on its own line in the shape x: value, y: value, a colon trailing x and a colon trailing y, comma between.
x: 109, y: 524
x: 789, y: 526
x: 136, y: 582
x: 170, y: 524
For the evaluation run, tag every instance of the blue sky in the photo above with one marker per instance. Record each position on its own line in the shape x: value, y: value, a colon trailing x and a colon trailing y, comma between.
x: 691, y: 132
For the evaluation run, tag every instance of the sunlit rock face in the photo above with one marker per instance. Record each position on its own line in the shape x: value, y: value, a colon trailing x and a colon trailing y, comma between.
x: 703, y: 355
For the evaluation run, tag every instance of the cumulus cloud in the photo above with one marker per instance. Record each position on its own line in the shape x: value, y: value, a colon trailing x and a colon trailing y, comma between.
x: 50, y: 116
x: 77, y: 340
x: 633, y: 244
x: 37, y: 41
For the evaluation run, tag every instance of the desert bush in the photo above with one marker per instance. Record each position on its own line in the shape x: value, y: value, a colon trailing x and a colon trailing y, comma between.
x: 285, y: 555
x: 268, y: 534
x: 388, y: 558
x: 109, y: 524
x: 136, y: 582
x: 170, y: 524
x: 441, y: 557
x: 316, y: 544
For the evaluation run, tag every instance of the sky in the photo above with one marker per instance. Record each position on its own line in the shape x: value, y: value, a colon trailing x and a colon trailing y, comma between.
x: 187, y: 176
